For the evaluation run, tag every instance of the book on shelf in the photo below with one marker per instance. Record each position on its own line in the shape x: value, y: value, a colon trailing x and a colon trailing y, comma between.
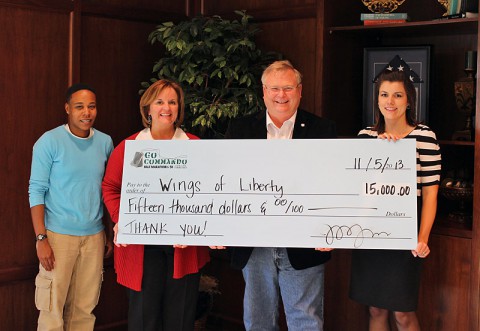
x: 467, y: 14
x: 462, y: 6
x: 384, y: 16
x: 378, y: 22
x: 454, y: 7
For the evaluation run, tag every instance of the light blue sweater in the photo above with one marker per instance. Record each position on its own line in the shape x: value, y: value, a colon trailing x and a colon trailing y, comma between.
x: 66, y: 177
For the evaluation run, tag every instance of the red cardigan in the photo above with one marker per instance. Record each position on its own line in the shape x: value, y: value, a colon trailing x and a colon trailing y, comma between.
x: 128, y: 260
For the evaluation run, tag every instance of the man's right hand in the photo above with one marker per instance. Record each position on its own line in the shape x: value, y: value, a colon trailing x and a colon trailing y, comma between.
x: 45, y: 254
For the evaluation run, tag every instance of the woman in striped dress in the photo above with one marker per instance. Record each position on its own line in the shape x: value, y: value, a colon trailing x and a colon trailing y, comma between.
x: 388, y: 280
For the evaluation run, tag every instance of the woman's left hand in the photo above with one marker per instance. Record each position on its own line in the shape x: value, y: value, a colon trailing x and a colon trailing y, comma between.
x: 115, y: 232
x: 322, y: 249
x: 389, y: 136
x: 180, y: 246
x: 217, y: 247
x: 422, y: 250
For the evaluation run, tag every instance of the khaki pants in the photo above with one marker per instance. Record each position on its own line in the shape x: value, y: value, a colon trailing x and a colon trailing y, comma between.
x: 67, y: 295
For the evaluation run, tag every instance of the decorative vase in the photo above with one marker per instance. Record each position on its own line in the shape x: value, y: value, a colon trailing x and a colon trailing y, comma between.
x: 382, y: 6
x: 465, y: 98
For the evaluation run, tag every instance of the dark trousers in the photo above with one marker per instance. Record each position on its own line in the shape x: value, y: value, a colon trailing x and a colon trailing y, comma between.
x: 165, y: 303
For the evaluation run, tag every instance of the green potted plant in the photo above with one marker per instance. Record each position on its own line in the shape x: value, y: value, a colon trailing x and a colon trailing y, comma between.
x: 218, y: 64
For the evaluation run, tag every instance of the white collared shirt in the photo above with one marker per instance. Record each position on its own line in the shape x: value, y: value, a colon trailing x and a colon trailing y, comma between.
x: 89, y: 135
x: 285, y: 132
x: 146, y: 134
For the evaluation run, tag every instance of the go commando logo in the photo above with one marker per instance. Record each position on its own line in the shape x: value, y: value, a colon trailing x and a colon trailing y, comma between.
x: 153, y: 159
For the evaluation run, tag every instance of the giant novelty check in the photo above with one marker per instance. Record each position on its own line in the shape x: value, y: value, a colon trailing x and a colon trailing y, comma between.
x: 338, y: 193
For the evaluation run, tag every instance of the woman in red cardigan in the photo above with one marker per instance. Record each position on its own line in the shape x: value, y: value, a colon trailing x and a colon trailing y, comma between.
x: 162, y: 281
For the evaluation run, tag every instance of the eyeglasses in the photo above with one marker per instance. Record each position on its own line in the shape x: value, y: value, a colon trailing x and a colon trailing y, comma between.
x: 277, y: 89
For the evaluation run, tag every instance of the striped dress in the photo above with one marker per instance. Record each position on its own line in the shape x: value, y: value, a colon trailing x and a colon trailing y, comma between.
x: 390, y: 279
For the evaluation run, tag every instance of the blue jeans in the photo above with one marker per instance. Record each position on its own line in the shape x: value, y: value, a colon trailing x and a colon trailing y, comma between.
x: 269, y: 274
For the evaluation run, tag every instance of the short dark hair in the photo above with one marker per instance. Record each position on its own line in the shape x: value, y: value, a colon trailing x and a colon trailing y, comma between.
x: 78, y: 87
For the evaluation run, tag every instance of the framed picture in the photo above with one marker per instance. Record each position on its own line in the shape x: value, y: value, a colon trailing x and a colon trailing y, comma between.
x: 377, y: 58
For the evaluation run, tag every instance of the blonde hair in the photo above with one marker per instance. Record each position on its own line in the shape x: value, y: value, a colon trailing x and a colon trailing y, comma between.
x: 151, y: 94
x: 281, y: 66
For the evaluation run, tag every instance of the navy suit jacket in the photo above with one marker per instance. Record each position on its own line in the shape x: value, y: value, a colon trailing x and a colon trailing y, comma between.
x: 307, y: 126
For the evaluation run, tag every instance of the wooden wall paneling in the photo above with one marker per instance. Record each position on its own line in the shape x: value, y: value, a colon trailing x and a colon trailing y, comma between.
x: 422, y: 9
x: 138, y: 10
x: 262, y: 10
x: 344, y: 12
x: 220, y: 6
x: 47, y: 5
x: 177, y: 7
x: 74, y: 51
x: 194, y: 7
x: 18, y: 309
x: 116, y: 58
x: 34, y: 67
x: 33, y: 63
x: 340, y: 65
x: 474, y: 320
x: 282, y: 37
x: 112, y: 309
x: 320, y: 58
x: 443, y: 304
x: 444, y: 291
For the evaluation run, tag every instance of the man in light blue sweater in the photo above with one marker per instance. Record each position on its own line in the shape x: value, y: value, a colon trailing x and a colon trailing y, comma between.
x: 68, y: 165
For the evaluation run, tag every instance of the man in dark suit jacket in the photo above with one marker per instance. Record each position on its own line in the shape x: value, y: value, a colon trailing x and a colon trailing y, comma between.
x: 294, y: 273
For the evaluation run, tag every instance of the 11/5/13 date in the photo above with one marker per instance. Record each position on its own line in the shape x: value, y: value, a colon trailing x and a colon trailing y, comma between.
x: 379, y: 164
x: 387, y: 189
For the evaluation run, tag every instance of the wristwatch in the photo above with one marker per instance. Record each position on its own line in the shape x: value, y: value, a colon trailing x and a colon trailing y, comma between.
x: 41, y: 237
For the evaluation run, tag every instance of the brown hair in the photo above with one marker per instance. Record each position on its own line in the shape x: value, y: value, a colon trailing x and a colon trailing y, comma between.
x: 151, y: 94
x: 395, y: 76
